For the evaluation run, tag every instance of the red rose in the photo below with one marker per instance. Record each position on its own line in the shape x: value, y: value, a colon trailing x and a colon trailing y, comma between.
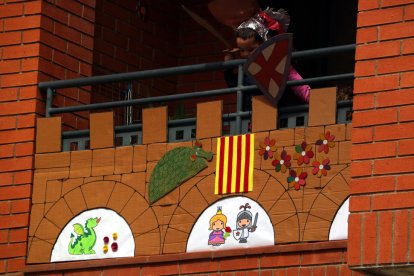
x: 228, y: 229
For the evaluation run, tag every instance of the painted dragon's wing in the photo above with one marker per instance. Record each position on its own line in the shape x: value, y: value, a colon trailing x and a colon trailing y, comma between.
x: 78, y: 229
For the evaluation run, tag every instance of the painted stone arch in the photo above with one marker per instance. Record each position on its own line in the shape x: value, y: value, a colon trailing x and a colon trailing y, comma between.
x: 326, y: 204
x: 231, y: 223
x: 78, y: 197
x: 94, y: 234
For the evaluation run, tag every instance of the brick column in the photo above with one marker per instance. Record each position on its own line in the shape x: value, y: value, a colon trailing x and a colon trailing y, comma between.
x: 39, y: 41
x: 381, y: 223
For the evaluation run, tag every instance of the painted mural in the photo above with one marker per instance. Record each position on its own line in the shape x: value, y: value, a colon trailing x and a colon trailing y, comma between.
x: 94, y: 234
x: 244, y: 191
x: 174, y: 168
x: 231, y: 223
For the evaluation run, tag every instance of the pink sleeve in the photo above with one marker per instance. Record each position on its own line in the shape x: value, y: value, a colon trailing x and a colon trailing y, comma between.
x: 301, y: 91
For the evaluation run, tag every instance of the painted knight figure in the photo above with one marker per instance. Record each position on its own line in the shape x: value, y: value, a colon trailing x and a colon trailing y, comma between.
x: 244, y: 224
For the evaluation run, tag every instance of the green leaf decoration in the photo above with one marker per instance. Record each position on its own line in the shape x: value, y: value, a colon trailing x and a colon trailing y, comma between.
x: 78, y: 229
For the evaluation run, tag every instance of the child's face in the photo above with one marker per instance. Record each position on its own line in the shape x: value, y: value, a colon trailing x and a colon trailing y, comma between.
x: 246, y: 46
x: 218, y: 225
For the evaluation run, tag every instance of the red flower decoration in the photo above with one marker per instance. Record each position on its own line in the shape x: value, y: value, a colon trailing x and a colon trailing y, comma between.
x: 297, y: 179
x: 114, y: 247
x: 228, y: 229
x: 283, y: 164
x: 325, y: 142
x: 303, y: 153
x: 321, y: 168
x: 267, y: 148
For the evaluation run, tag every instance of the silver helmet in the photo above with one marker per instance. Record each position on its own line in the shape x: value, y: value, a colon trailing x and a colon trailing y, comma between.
x: 267, y: 20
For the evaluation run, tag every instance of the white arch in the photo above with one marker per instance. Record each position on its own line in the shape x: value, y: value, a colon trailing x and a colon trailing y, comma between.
x: 110, y: 223
x: 339, y: 226
x: 262, y: 236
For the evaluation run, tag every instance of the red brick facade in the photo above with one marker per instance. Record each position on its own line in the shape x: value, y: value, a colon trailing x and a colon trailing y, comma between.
x: 39, y: 40
x: 317, y: 259
x: 48, y: 40
x: 381, y: 222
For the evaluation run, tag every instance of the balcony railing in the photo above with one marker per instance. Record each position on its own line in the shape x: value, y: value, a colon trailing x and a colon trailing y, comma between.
x: 184, y: 129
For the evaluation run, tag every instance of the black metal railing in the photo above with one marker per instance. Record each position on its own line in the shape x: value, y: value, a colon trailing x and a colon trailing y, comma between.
x: 52, y: 86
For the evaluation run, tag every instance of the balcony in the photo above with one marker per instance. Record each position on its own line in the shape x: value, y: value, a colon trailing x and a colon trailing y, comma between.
x: 130, y: 133
x: 108, y: 171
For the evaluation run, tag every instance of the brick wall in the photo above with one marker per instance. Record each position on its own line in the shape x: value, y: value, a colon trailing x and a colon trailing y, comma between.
x: 198, y: 46
x: 166, y: 37
x: 66, y: 37
x: 19, y: 51
x: 65, y: 31
x: 126, y: 42
x: 310, y: 259
x: 381, y: 222
x: 382, y: 205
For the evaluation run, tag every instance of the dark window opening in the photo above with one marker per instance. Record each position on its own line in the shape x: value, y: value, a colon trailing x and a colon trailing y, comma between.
x: 179, y: 135
x: 283, y: 123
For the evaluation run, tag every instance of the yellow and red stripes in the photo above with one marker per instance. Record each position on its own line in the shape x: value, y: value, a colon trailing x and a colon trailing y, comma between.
x: 234, y: 165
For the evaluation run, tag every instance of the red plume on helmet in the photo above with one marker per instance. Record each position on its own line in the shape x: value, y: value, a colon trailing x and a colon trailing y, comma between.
x: 276, y: 21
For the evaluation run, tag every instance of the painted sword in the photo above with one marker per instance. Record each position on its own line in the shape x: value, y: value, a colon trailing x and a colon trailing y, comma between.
x: 255, y: 222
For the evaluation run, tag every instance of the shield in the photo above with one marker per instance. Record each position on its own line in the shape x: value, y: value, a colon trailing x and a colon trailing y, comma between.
x: 269, y: 66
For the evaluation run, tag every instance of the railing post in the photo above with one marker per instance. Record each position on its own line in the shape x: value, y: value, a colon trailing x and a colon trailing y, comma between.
x: 49, y: 99
x: 128, y: 109
x: 239, y: 99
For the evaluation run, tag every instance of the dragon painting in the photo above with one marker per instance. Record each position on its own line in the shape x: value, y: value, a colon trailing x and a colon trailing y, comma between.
x: 86, y: 238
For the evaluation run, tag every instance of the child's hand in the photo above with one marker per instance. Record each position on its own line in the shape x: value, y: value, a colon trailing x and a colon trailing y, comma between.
x: 228, y: 57
x: 230, y: 54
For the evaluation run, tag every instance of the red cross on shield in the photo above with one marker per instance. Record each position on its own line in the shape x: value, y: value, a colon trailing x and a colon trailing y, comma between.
x: 269, y: 66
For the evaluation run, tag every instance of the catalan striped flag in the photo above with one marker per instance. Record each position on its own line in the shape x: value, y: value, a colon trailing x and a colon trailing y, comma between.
x: 234, y: 165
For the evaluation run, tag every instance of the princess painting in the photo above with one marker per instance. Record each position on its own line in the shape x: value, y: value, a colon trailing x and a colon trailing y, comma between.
x: 220, y: 231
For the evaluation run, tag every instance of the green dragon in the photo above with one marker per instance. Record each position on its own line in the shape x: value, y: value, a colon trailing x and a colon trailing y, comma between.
x: 86, y: 239
x: 174, y: 168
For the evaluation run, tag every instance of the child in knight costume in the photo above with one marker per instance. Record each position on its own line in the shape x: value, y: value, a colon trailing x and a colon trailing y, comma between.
x: 250, y: 35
